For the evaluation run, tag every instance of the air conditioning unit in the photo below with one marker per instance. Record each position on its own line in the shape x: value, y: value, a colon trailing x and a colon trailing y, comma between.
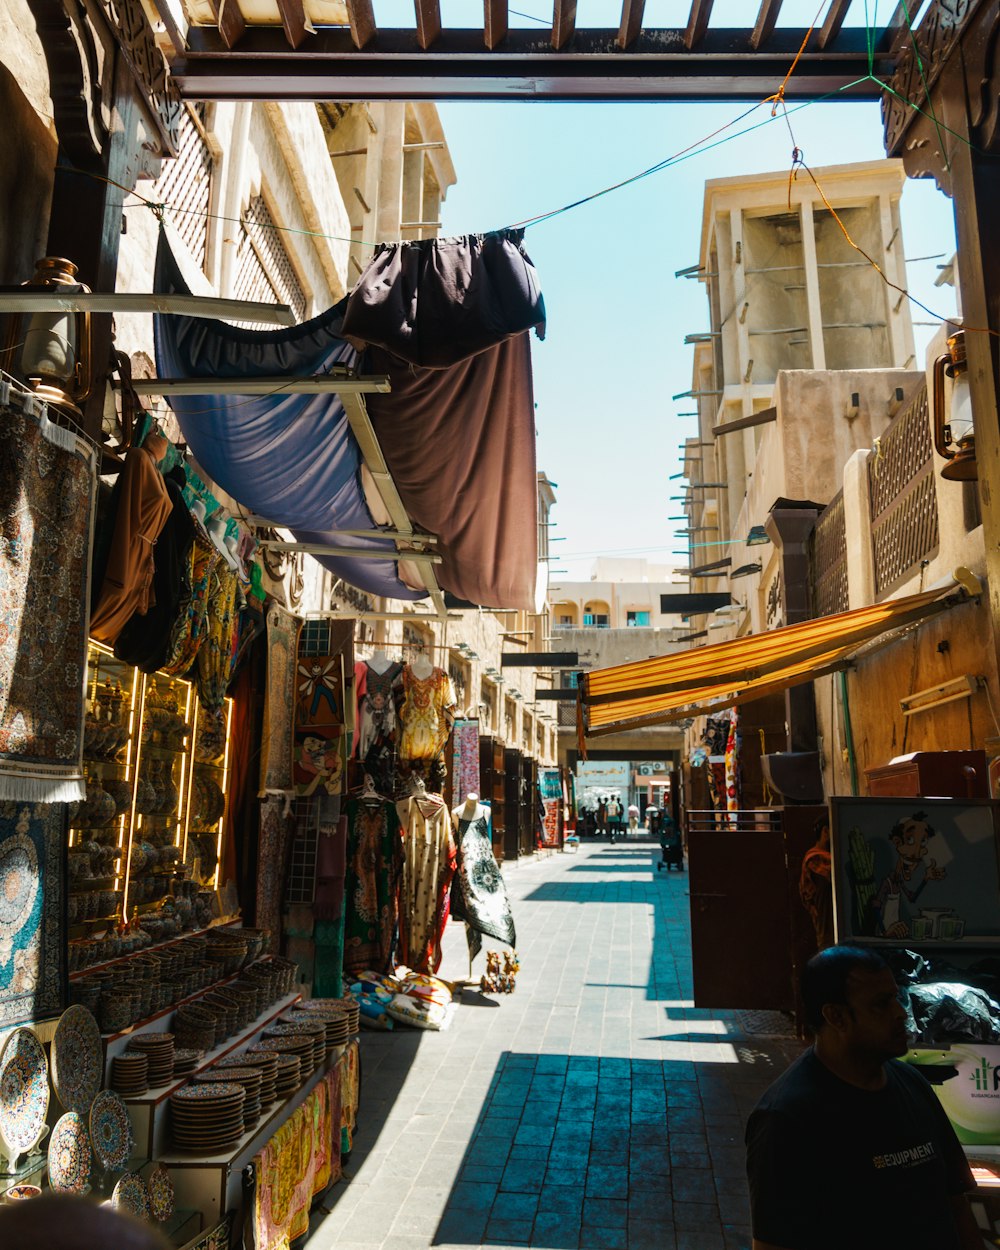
x: 648, y: 770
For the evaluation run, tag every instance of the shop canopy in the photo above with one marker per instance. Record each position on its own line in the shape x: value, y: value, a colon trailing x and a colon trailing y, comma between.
x: 396, y: 433
x: 674, y: 687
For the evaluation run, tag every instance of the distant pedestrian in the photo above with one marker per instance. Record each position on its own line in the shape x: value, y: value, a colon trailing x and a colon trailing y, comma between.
x: 602, y: 816
x: 850, y: 1147
x: 633, y: 818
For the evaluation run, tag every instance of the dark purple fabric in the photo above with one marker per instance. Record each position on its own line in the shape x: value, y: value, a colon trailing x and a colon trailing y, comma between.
x: 459, y: 438
x: 434, y: 302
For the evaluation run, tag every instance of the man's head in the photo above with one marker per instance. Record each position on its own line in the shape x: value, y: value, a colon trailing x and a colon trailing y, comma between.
x: 909, y: 837
x: 852, y: 1002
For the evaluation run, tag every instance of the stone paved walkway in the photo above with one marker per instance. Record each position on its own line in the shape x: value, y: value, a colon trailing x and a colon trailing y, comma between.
x: 594, y: 1108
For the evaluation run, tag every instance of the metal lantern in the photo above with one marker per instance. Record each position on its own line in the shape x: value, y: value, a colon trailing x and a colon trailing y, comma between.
x: 954, y: 432
x: 55, y: 354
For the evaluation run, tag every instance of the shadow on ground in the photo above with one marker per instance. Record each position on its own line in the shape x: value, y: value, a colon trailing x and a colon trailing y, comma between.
x: 606, y: 1153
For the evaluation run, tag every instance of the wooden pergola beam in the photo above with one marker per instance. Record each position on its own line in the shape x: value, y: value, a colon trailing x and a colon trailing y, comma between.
x: 701, y: 11
x: 833, y: 22
x: 563, y: 22
x: 229, y: 20
x: 494, y: 22
x: 361, y: 15
x: 428, y: 14
x: 631, y: 23
x: 767, y: 15
x: 293, y: 19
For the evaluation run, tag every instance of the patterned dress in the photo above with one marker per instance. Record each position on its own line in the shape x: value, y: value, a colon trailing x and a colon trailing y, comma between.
x: 478, y: 893
x: 424, y: 714
x: 374, y: 864
x: 429, y: 858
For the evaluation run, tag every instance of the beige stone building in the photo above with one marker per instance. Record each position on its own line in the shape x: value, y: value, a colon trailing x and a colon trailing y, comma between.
x: 809, y: 399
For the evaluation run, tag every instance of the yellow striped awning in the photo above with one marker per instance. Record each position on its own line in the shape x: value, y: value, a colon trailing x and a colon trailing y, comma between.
x: 687, y: 683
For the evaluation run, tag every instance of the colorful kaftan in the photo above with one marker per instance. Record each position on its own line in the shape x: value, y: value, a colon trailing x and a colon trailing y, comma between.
x: 374, y: 864
x: 429, y: 858
x: 425, y: 714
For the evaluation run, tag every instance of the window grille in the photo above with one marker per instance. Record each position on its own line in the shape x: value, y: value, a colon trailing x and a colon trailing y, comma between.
x: 315, y: 638
x: 264, y: 266
x: 185, y: 185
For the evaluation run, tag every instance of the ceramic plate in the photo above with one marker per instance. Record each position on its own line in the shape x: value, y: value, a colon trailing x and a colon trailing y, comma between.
x: 77, y: 1059
x: 131, y: 1195
x: 161, y: 1193
x: 24, y: 1090
x: 111, y: 1130
x: 69, y: 1155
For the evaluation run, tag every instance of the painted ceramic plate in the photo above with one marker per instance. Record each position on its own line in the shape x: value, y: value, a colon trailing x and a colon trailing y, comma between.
x: 111, y: 1130
x: 77, y: 1059
x: 69, y: 1155
x: 131, y: 1195
x: 24, y: 1090
x: 161, y: 1193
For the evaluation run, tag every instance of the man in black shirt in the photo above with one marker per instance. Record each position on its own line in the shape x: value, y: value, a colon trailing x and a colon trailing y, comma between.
x: 850, y: 1149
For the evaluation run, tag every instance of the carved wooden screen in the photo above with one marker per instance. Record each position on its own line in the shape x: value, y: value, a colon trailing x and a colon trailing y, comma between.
x: 265, y: 270
x: 186, y: 183
x: 903, y: 502
x: 830, y: 559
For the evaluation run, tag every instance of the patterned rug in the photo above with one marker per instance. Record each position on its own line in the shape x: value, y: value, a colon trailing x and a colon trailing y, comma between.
x: 276, y: 749
x: 32, y: 937
x: 273, y: 847
x: 465, y: 760
x: 48, y: 480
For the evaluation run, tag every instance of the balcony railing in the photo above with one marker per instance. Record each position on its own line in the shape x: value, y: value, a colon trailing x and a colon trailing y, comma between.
x: 830, y: 559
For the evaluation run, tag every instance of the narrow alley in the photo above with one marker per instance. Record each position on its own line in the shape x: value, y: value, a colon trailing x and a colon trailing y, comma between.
x: 593, y: 1108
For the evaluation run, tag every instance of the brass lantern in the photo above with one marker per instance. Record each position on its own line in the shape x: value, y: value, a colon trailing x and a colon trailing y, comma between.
x: 55, y: 356
x: 954, y: 433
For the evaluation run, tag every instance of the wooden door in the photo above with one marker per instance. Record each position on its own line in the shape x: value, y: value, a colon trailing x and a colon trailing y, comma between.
x: 750, y: 934
x: 740, y: 947
x: 512, y: 788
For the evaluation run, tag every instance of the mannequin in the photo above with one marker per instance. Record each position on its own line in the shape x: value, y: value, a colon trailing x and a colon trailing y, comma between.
x: 369, y: 791
x: 418, y: 789
x: 216, y: 526
x: 379, y: 661
x: 468, y: 810
x: 421, y: 667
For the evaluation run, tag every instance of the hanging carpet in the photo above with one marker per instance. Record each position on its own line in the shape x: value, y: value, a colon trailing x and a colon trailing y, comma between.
x: 48, y: 481
x: 457, y: 429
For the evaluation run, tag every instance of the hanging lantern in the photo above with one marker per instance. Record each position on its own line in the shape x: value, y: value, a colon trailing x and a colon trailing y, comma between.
x: 954, y: 433
x: 55, y: 345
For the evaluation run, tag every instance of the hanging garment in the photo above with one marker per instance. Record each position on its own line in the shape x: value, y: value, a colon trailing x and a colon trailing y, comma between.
x: 428, y: 867
x: 478, y: 892
x: 189, y: 628
x: 424, y: 714
x: 145, y: 638
x: 374, y: 865
x: 217, y: 653
x: 376, y: 709
x: 144, y: 506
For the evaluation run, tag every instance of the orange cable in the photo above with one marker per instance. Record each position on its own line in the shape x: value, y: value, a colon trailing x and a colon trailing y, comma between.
x: 779, y: 95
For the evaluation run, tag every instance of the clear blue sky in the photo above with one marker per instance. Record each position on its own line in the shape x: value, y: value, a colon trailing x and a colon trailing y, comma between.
x: 608, y: 432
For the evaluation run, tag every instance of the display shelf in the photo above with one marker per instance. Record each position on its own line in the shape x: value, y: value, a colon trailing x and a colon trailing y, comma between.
x: 237, y: 1156
x: 217, y: 923
x: 153, y: 1097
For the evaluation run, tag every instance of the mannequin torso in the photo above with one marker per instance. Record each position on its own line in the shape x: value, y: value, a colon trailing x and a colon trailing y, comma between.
x: 421, y: 668
x: 379, y: 662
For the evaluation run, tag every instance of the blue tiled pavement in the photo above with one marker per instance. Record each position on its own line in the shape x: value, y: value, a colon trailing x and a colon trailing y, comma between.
x: 594, y: 1108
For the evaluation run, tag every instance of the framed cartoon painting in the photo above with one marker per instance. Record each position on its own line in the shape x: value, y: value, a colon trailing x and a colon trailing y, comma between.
x: 916, y: 870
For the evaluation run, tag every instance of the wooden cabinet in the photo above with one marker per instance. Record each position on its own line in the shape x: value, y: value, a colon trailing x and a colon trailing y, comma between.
x: 512, y: 834
x: 933, y: 774
x: 147, y: 841
x: 492, y: 779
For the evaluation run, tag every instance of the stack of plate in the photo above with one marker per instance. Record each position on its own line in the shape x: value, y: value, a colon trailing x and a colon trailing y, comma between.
x: 334, y: 1019
x: 130, y: 1073
x: 160, y: 1049
x: 186, y: 1060
x: 207, y: 1117
x: 266, y: 1063
x: 289, y: 1075
x: 353, y: 1012
x: 250, y: 1078
x: 311, y: 1031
